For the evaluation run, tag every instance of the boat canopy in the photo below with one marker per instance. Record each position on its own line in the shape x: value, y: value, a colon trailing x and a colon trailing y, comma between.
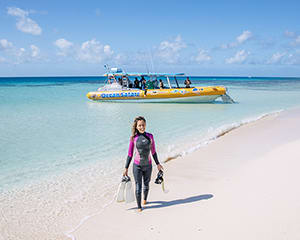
x: 119, y: 74
x: 113, y: 73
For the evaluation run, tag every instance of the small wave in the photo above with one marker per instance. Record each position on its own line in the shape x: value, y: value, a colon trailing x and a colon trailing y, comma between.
x: 219, y: 132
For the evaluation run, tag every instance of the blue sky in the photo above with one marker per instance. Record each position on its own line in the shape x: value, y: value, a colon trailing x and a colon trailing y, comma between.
x: 209, y: 38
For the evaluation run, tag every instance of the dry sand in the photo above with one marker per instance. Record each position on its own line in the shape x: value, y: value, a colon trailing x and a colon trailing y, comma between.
x: 244, y: 185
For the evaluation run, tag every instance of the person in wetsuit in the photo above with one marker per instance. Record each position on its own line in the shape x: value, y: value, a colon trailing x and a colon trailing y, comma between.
x: 141, y: 143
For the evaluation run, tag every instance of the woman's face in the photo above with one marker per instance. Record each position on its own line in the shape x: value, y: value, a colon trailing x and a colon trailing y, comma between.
x: 141, y: 126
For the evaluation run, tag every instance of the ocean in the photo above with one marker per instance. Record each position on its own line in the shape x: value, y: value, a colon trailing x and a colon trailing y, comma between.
x: 68, y: 152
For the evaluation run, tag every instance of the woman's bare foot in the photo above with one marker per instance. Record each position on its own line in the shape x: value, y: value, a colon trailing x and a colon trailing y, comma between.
x: 144, y: 202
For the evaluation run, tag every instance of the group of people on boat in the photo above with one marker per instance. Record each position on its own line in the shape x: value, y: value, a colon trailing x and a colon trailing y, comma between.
x: 143, y: 84
x: 124, y: 81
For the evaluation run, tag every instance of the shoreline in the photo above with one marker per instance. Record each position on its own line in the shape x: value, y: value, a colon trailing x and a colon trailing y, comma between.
x: 204, y: 140
x: 208, y: 174
x: 221, y: 131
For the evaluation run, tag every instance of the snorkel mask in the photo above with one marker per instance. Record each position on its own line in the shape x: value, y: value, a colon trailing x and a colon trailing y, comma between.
x: 159, y: 179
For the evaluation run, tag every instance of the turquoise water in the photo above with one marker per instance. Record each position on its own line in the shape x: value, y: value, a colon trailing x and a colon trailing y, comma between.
x: 48, y: 127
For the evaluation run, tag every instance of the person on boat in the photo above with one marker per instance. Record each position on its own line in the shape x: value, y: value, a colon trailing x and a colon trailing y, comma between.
x: 161, y: 84
x: 136, y: 83
x: 120, y: 81
x: 142, y: 143
x: 110, y: 79
x: 130, y: 85
x: 187, y: 82
x: 125, y: 81
x: 143, y: 83
x: 155, y: 84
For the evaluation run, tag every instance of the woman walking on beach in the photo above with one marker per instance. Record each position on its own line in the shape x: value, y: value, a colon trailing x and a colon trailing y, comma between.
x: 141, y: 143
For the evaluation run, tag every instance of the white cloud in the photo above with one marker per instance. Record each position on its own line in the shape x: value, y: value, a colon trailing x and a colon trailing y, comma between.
x: 239, y: 57
x: 295, y: 40
x: 229, y: 45
x: 93, y: 51
x: 17, y: 12
x: 19, y: 55
x: 24, y: 23
x: 174, y: 46
x: 15, y: 55
x: 21, y: 52
x: 4, y: 44
x: 107, y: 50
x: 168, y: 51
x: 293, y: 59
x: 289, y: 34
x: 64, y: 46
x: 202, y: 57
x: 63, y: 43
x: 276, y: 58
x: 285, y: 58
x: 24, y: 55
x: 245, y: 36
x: 35, y: 51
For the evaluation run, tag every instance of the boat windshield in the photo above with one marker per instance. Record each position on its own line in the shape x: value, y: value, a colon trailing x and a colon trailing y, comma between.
x: 111, y: 87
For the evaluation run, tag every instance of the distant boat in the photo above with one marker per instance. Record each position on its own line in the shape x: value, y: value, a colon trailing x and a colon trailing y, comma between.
x: 123, y: 90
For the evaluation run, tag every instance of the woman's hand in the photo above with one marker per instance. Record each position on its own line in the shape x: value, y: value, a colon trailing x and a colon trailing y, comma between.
x: 159, y: 167
x: 125, y: 173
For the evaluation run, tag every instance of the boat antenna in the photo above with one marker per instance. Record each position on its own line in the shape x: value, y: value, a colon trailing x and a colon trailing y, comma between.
x: 147, y: 65
x: 151, y: 59
x: 107, y: 71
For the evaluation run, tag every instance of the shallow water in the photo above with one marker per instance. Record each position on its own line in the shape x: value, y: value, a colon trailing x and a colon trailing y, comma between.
x: 48, y: 126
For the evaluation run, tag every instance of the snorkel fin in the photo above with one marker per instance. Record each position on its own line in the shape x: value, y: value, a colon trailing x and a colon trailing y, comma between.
x: 125, y: 191
x: 121, y: 189
x: 129, y: 195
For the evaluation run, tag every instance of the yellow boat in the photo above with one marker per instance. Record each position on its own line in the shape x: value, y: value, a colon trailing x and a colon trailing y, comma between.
x: 120, y: 92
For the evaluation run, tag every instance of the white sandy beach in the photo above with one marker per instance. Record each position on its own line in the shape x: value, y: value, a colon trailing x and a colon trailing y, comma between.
x: 244, y: 185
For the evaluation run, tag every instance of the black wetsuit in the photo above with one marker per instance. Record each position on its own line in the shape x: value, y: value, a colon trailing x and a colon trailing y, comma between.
x: 142, y: 145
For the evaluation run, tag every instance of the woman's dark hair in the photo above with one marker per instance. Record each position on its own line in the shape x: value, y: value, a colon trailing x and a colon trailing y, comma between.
x: 134, y: 131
